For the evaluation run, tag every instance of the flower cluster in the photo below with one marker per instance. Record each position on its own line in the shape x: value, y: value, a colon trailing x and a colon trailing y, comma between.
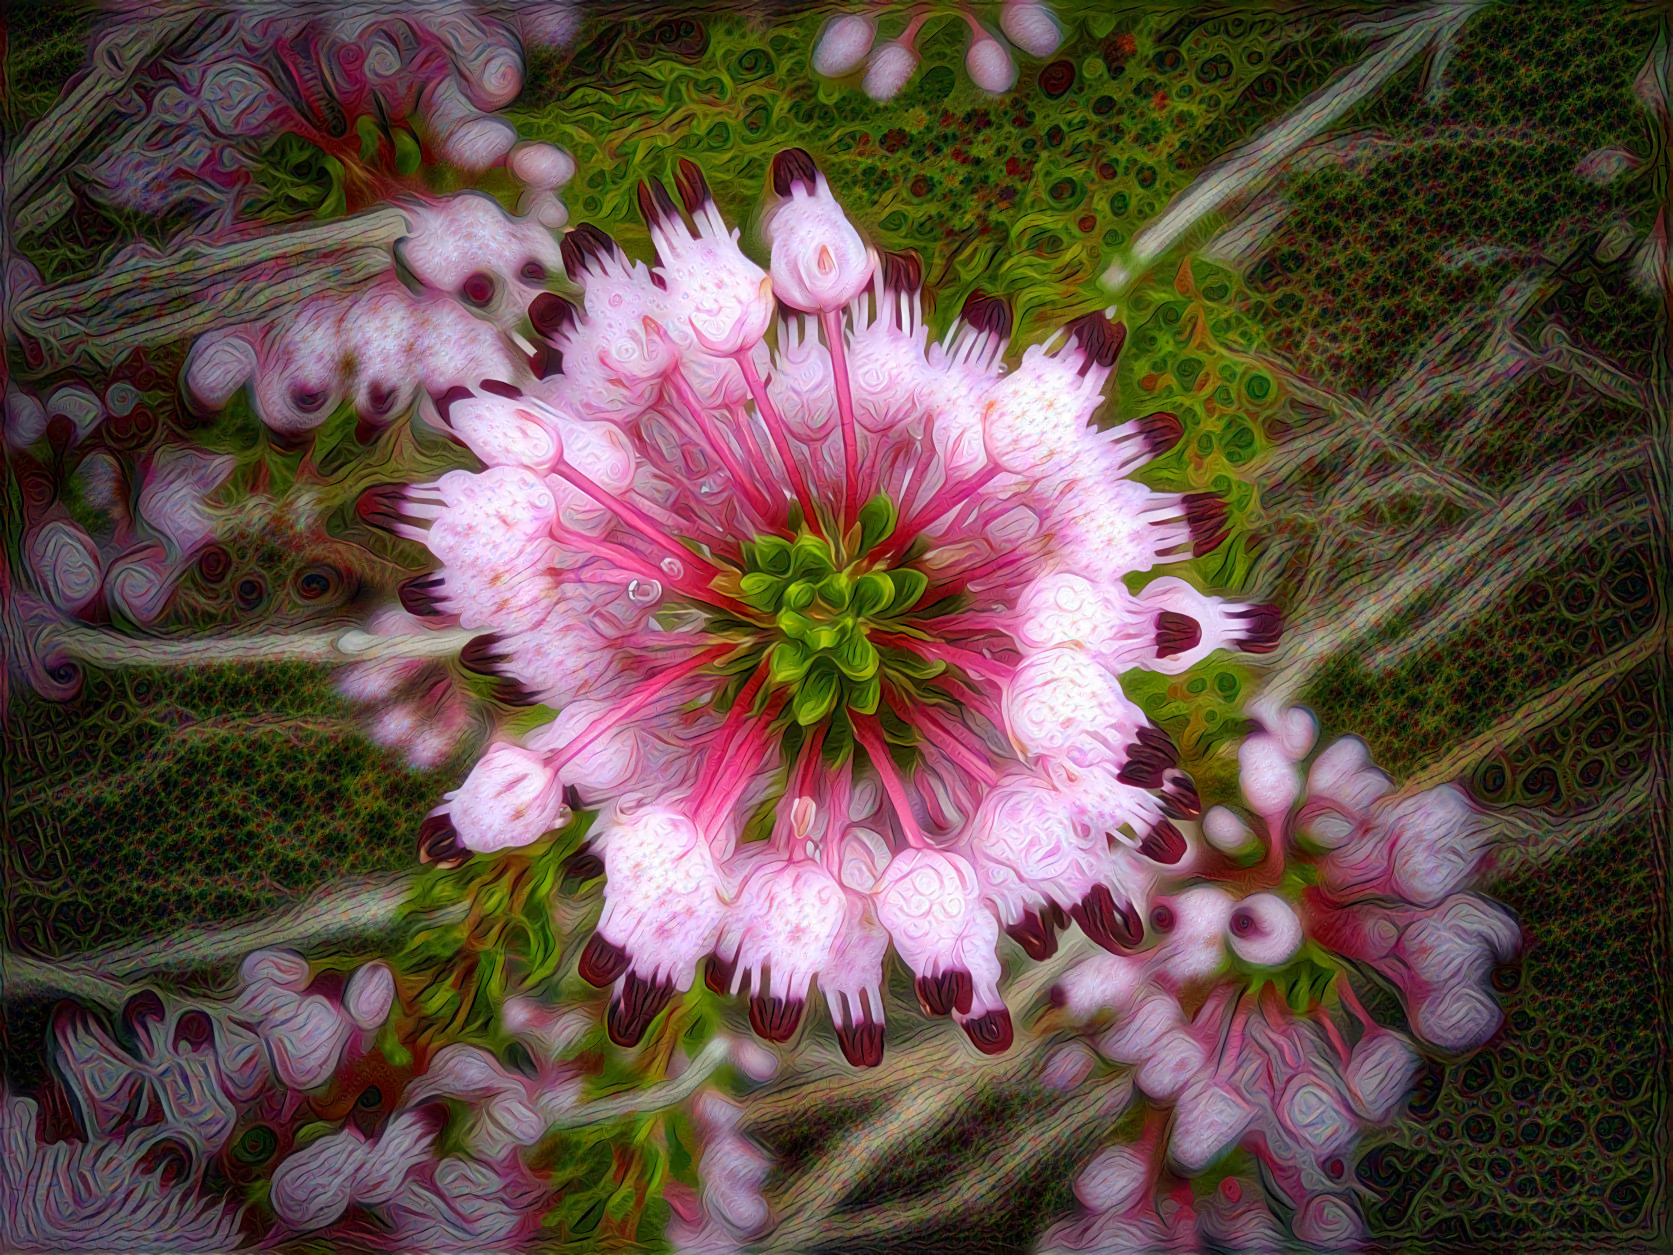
x: 459, y: 286
x: 209, y: 96
x: 1324, y: 871
x: 847, y: 41
x: 832, y: 626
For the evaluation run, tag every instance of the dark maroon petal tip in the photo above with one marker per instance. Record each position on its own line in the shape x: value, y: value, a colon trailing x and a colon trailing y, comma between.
x: 551, y: 315
x: 1205, y: 515
x: 1176, y: 634
x: 718, y: 973
x: 583, y: 864
x: 478, y: 289
x: 792, y: 166
x: 438, y: 842
x: 1115, y: 926
x: 1179, y: 796
x: 1099, y: 339
x: 1161, y: 431
x: 902, y: 272
x: 572, y: 799
x: 942, y: 994
x: 421, y: 595
x: 1163, y: 844
x: 515, y: 693
x: 144, y: 1007
x: 194, y: 1029
x: 480, y: 655
x: 655, y: 205
x: 775, y: 1019
x: 499, y: 387
x: 692, y: 186
x: 601, y: 961
x: 1262, y: 627
x: 545, y: 362
x: 631, y: 1014
x: 1148, y: 757
x: 862, y: 1043
x: 380, y: 505
x: 447, y: 400
x: 992, y: 1032
x: 586, y: 248
x: 1035, y: 934
x: 991, y: 314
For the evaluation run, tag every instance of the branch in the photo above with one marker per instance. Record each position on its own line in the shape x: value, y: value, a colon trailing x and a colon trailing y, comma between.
x: 112, y: 649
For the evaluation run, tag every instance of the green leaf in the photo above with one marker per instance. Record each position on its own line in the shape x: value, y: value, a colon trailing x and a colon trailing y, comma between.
x: 756, y: 583
x: 811, y: 556
x: 817, y: 694
x: 877, y: 521
x: 913, y: 666
x: 408, y: 155
x: 909, y: 586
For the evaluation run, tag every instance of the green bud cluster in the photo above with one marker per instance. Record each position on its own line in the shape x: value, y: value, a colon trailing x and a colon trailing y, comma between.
x: 822, y: 606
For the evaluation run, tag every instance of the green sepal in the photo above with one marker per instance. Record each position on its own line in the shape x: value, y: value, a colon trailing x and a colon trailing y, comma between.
x: 864, y: 695
x: 872, y: 591
x: 909, y: 586
x: 810, y: 556
x: 826, y: 636
x: 913, y: 666
x: 857, y: 657
x: 877, y: 521
x: 835, y: 590
x: 789, y: 662
x: 796, y: 626
x: 772, y: 555
x: 817, y: 694
x: 756, y: 584
x: 800, y: 595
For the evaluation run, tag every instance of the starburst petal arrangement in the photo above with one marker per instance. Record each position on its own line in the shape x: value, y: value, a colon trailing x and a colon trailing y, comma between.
x: 834, y: 624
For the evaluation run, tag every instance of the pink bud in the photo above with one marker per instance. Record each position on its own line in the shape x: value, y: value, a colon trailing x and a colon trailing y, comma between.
x: 510, y: 798
x: 990, y: 66
x: 843, y: 45
x: 1030, y: 26
x: 888, y: 70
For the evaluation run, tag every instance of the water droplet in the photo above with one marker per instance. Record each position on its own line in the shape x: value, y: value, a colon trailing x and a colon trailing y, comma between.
x: 645, y: 592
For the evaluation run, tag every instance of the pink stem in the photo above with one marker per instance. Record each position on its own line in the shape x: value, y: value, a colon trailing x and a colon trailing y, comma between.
x: 832, y: 321
x: 743, y: 761
x: 645, y: 694
x: 780, y: 438
x: 868, y: 735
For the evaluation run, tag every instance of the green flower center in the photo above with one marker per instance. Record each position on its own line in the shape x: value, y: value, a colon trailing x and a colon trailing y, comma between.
x: 815, y: 610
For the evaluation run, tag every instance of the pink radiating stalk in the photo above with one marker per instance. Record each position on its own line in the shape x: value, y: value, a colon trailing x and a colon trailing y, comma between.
x: 832, y: 320
x: 868, y: 735
x: 949, y: 497
x: 781, y: 440
x: 742, y: 761
x: 688, y: 398
x: 633, y: 516
x: 953, y: 746
x: 642, y: 697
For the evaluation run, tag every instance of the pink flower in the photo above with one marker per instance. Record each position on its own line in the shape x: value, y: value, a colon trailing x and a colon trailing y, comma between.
x: 809, y: 604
